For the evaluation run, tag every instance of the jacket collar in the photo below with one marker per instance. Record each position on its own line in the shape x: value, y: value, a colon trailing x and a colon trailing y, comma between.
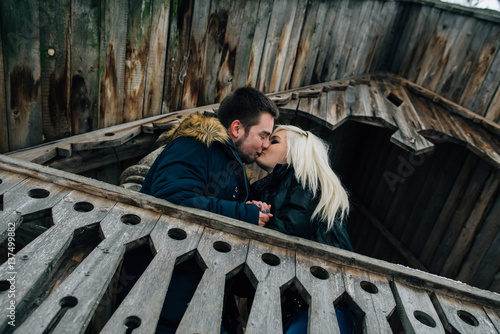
x: 206, y: 129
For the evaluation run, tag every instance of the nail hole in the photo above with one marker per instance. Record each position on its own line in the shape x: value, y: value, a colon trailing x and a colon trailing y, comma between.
x: 109, y: 134
x: 424, y: 318
x: 271, y: 259
x: 38, y: 193
x: 319, y: 273
x: 222, y: 246
x: 68, y: 301
x: 130, y: 219
x: 468, y: 318
x: 83, y: 207
x: 369, y: 287
x: 177, y: 234
x: 51, y: 52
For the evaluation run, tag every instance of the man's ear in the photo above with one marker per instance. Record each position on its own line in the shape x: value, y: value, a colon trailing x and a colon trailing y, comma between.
x: 236, y: 128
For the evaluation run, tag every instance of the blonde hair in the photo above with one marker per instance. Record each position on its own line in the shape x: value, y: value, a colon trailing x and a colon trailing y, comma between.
x: 309, y: 156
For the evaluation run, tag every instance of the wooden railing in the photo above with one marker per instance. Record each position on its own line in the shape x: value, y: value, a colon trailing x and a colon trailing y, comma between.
x: 37, y: 296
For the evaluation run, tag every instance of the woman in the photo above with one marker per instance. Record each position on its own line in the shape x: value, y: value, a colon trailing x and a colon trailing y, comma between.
x: 306, y: 199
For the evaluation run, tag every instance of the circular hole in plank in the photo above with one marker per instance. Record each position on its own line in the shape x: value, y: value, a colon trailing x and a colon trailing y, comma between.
x: 177, y: 234
x: 271, y: 259
x: 38, y: 193
x: 222, y: 246
x: 130, y: 219
x: 83, y: 207
x: 424, y: 318
x: 468, y: 318
x: 319, y: 273
x: 68, y: 301
x: 132, y: 322
x: 369, y: 287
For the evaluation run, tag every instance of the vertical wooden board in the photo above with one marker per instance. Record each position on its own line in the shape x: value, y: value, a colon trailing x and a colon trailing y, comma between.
x: 486, y: 275
x: 309, y: 31
x: 112, y: 62
x: 196, y: 55
x: 493, y: 111
x: 21, y: 55
x: 84, y: 65
x: 463, y: 317
x: 228, y: 43
x: 177, y: 54
x: 172, y: 238
x: 369, y: 13
x: 279, y: 27
x: 136, y: 58
x: 483, y: 81
x: 223, y: 254
x: 293, y: 46
x: 412, y: 66
x: 246, y: 39
x: 484, y: 239
x: 270, y: 268
x: 463, y: 209
x: 153, y: 95
x: 373, y: 295
x: 468, y: 234
x: 259, y: 40
x: 341, y: 28
x: 438, y: 50
x: 337, y: 112
x: 324, y: 284
x: 417, y: 313
x: 459, y: 54
x: 54, y: 30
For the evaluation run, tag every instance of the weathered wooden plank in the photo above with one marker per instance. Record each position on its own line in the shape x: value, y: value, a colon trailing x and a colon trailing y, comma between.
x: 306, y: 49
x: 155, y: 76
x: 177, y: 55
x: 493, y: 113
x: 21, y: 57
x: 463, y: 317
x: 112, y: 62
x: 29, y: 198
x: 222, y: 254
x: 271, y: 267
x: 196, y: 56
x: 373, y: 295
x: 465, y: 240
x: 259, y: 39
x: 463, y: 209
x: 324, y: 284
x: 486, y: 274
x: 171, y: 238
x: 417, y: 313
x: 494, y: 318
x: 229, y: 47
x: 484, y: 239
x: 84, y: 70
x: 109, y: 139
x: 136, y: 58
x: 482, y: 83
x: 81, y: 292
x: 337, y: 113
x: 9, y: 180
x: 382, y: 108
x: 4, y: 126
x: 277, y: 38
x: 75, y: 211
x: 55, y: 82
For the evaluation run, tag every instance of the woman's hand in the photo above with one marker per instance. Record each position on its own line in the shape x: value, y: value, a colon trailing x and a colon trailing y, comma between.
x: 264, y: 211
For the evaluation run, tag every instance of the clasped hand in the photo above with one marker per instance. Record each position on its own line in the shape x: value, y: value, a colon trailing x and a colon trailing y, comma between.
x: 264, y: 211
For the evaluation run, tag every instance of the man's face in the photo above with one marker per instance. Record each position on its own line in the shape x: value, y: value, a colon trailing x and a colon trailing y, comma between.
x: 250, y: 144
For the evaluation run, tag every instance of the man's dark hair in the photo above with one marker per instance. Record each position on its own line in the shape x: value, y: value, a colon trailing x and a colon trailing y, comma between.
x: 246, y: 105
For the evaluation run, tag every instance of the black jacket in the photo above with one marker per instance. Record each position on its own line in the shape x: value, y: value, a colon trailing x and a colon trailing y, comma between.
x: 293, y: 206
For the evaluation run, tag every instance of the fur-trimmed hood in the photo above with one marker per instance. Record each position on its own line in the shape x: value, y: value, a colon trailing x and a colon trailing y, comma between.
x: 206, y: 129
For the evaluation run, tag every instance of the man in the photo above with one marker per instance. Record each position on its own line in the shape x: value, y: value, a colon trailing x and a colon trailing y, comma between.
x: 202, y: 165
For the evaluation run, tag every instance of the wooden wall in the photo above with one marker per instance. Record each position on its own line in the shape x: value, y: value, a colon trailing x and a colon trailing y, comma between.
x: 71, y: 66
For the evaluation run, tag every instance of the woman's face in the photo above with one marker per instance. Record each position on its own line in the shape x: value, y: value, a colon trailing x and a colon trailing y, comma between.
x: 275, y: 153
